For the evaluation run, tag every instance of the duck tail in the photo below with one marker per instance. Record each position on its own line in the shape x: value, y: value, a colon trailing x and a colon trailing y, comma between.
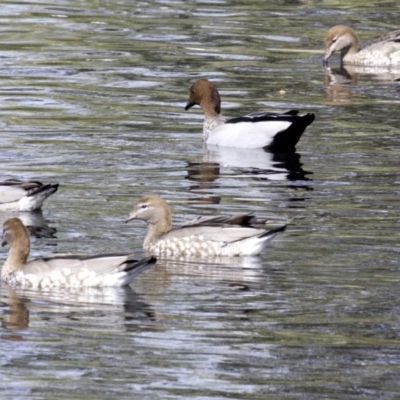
x: 132, y: 268
x: 285, y: 141
x: 35, y: 198
x: 271, y: 233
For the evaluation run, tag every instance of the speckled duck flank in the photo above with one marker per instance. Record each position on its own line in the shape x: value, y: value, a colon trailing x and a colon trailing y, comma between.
x: 200, y: 239
x: 64, y: 271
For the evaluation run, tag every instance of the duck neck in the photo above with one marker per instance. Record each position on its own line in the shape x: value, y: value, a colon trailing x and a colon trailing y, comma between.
x: 348, y: 53
x: 17, y: 256
x: 210, y: 123
x: 156, y: 229
x: 210, y: 110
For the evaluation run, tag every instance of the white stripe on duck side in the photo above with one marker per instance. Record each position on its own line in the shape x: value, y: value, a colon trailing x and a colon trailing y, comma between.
x: 274, y: 131
x: 205, y: 237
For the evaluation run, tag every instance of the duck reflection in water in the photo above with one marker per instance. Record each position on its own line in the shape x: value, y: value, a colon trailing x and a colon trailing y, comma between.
x: 205, y: 176
x: 114, y: 306
x: 340, y: 81
x: 219, y: 162
x: 36, y: 224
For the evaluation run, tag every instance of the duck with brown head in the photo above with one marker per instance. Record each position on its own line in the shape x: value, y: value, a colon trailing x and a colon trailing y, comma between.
x: 269, y: 130
x: 216, y: 236
x: 380, y: 51
x: 64, y: 271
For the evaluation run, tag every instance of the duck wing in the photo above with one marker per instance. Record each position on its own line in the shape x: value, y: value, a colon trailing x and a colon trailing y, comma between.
x: 223, y: 234
x: 241, y: 220
x: 9, y: 194
x: 393, y: 36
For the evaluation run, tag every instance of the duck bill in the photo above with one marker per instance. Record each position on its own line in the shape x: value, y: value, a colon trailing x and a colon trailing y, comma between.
x: 189, y: 105
x: 130, y: 217
x: 328, y: 53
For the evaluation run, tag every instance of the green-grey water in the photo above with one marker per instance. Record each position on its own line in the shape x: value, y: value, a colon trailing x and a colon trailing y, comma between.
x: 92, y: 96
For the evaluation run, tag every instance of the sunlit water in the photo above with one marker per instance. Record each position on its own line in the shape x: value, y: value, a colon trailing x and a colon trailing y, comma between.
x: 92, y: 96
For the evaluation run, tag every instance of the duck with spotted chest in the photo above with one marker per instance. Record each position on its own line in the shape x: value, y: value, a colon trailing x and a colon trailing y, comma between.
x: 64, y: 271
x: 204, y: 237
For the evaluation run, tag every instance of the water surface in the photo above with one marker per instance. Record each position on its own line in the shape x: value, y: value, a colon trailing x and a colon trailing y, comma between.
x: 92, y: 96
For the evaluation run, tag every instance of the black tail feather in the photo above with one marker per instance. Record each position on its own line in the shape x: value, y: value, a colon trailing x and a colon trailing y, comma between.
x: 132, y: 264
x: 51, y: 188
x: 287, y: 139
x: 273, y: 231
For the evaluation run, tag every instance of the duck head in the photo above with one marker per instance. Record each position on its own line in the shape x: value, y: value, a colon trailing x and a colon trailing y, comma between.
x: 153, y: 210
x: 204, y: 94
x: 340, y: 38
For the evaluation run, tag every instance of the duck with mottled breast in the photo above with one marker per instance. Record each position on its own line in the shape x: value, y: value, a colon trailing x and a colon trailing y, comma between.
x: 268, y: 130
x: 204, y: 237
x: 64, y: 271
x: 17, y: 195
x: 380, y: 51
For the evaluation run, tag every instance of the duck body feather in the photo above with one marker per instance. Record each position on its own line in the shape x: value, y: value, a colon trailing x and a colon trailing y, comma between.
x: 211, y: 241
x: 74, y: 271
x: 17, y: 195
x: 272, y: 131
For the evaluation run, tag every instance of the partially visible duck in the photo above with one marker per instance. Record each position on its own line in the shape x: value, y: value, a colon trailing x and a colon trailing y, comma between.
x: 16, y: 195
x: 205, y: 237
x: 274, y: 131
x: 381, y: 51
x: 64, y: 271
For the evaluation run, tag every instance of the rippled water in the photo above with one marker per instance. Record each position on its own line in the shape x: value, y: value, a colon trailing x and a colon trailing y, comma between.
x: 92, y: 96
